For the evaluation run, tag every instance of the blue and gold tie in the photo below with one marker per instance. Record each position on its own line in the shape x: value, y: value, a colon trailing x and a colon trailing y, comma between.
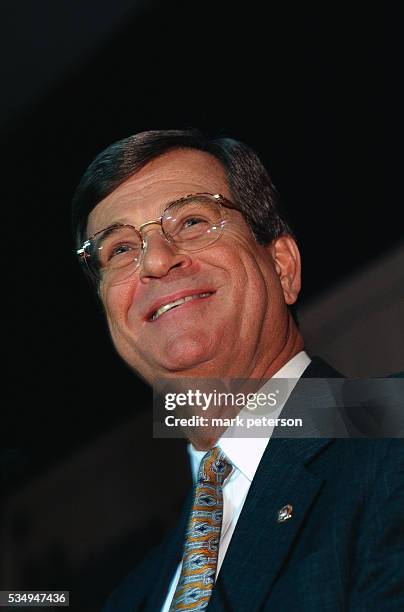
x: 203, y: 535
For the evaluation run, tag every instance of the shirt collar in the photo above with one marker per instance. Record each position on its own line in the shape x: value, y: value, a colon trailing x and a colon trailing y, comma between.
x: 245, y: 453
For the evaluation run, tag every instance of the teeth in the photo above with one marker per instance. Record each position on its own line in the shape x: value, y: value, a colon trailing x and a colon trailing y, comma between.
x: 188, y: 298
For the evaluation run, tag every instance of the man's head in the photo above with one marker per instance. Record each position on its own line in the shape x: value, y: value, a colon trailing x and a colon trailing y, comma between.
x: 238, y: 323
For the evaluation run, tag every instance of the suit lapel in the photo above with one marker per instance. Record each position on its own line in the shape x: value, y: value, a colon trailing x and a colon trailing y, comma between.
x: 260, y: 544
x: 318, y: 368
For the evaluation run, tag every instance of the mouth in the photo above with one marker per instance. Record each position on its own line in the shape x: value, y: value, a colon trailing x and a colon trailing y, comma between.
x: 178, y: 302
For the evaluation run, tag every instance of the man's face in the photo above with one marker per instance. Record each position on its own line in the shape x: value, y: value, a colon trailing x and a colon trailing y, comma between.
x: 243, y: 323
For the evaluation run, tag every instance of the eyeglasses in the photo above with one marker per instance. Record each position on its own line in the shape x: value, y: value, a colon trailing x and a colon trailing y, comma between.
x: 191, y: 223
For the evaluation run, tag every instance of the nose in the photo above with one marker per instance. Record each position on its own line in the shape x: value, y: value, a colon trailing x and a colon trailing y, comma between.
x: 159, y: 256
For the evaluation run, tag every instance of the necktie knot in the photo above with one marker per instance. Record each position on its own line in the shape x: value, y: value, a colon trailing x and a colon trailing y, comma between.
x: 215, y: 467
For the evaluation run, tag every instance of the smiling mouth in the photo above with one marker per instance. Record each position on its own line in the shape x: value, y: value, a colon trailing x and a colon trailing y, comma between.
x: 188, y: 298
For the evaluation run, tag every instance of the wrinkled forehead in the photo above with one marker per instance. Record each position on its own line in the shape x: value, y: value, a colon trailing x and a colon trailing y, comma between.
x: 145, y: 194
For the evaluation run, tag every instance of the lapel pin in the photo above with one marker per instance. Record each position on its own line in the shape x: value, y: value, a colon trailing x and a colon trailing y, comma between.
x: 285, y: 513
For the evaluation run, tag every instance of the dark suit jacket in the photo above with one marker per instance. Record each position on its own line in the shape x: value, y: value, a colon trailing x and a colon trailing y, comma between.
x: 343, y: 548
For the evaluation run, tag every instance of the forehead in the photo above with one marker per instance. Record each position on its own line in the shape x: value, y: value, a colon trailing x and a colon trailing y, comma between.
x: 167, y: 177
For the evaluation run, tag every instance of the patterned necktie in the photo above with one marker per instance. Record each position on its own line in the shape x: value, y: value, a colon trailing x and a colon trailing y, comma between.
x: 203, y: 535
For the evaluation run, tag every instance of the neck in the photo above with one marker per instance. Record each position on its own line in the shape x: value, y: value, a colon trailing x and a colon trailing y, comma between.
x: 293, y: 345
x: 205, y: 438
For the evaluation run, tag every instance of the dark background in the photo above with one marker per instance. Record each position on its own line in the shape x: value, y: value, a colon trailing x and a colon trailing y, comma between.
x: 312, y: 89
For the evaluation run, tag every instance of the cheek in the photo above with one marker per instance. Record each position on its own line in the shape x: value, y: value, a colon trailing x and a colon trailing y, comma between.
x: 261, y: 291
x: 254, y: 276
x: 251, y: 287
x: 117, y: 300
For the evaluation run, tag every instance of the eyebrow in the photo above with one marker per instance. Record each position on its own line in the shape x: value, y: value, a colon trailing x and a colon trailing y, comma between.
x: 125, y: 221
x: 118, y: 222
x: 113, y: 225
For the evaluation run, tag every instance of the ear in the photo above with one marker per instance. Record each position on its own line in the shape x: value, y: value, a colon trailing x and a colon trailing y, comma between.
x: 286, y: 257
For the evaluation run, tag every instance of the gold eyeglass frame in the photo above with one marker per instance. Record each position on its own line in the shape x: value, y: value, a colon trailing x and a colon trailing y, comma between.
x: 221, y: 200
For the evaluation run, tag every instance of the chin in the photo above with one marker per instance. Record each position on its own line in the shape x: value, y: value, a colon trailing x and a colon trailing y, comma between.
x: 182, y: 354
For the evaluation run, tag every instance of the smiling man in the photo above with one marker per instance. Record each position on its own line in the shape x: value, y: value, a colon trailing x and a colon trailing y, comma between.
x: 196, y: 268
x: 235, y: 280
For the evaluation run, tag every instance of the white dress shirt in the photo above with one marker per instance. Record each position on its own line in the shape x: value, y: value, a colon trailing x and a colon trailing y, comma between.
x: 245, y: 455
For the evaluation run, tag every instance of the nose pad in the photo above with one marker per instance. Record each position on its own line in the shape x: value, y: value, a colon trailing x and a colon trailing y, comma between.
x: 151, y: 237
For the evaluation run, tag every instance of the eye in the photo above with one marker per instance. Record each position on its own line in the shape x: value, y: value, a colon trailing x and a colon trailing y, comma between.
x: 192, y: 221
x: 191, y: 225
x: 119, y: 250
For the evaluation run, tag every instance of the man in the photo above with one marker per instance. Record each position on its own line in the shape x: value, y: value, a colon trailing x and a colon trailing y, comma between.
x: 197, y: 269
